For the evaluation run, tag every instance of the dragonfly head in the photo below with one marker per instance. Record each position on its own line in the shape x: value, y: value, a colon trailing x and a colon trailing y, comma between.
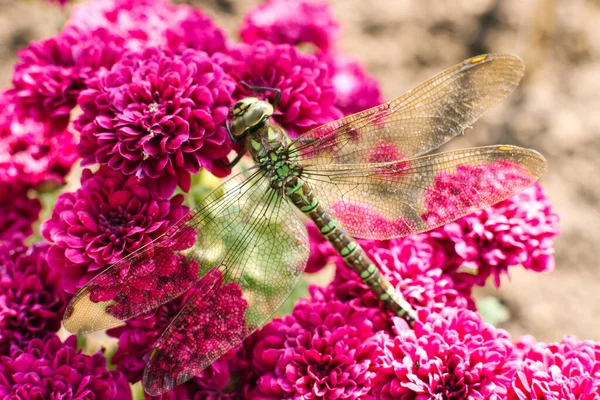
x: 247, y: 114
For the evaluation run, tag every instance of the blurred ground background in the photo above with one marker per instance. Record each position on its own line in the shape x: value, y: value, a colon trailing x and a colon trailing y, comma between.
x: 556, y: 110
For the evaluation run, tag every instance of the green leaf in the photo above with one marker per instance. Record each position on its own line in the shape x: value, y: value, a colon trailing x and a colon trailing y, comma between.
x: 492, y: 310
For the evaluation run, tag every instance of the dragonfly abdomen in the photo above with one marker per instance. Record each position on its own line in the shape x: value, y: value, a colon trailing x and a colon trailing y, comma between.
x: 301, y: 194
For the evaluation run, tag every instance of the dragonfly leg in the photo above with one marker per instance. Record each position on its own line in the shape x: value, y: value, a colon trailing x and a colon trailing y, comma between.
x: 236, y: 159
x: 264, y: 89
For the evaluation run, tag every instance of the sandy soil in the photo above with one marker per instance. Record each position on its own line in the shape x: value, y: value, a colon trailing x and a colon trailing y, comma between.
x: 553, y: 111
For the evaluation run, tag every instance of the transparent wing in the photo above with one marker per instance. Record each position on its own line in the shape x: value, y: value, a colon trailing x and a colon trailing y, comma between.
x: 417, y: 122
x: 253, y: 279
x: 173, y: 263
x: 395, y: 199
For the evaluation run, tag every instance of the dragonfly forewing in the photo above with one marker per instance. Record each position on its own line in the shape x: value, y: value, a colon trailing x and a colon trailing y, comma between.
x: 417, y: 122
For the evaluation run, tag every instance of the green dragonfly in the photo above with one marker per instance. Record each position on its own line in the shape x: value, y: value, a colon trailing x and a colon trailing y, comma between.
x: 244, y: 247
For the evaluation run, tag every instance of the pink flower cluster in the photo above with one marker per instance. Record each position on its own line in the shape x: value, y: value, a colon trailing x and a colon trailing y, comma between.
x: 48, y: 368
x: 159, y: 116
x: 32, y: 299
x: 155, y: 82
x: 106, y: 219
x: 322, y: 350
x: 32, y: 156
x: 566, y: 370
x: 311, y: 24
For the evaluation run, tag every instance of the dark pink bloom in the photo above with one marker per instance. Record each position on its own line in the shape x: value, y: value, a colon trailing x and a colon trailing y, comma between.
x: 294, y: 22
x: 106, y: 219
x: 324, y: 349
x: 51, y: 369
x: 191, y: 29
x: 307, y: 94
x: 451, y: 355
x: 158, y: 115
x: 31, y: 156
x: 355, y: 89
x: 32, y: 299
x: 197, y: 389
x: 151, y: 23
x: 18, y: 215
x: 140, y: 23
x: 566, y: 370
x: 414, y: 265
x: 51, y: 73
x: 517, y: 231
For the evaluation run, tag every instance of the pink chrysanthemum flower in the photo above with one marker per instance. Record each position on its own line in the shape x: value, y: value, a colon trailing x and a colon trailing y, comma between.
x: 517, y: 231
x: 30, y: 155
x: 106, y: 219
x: 151, y: 23
x: 324, y: 349
x: 451, y: 355
x: 414, y: 265
x: 355, y: 89
x: 141, y: 23
x: 566, y: 370
x: 158, y: 115
x: 51, y: 369
x: 32, y: 299
x: 191, y: 29
x: 51, y: 73
x: 307, y: 94
x: 18, y: 215
x: 291, y: 22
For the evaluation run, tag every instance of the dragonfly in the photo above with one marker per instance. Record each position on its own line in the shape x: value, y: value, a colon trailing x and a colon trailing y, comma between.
x: 367, y: 175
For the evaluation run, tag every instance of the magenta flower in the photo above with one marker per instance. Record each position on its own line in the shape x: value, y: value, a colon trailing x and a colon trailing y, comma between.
x: 51, y: 73
x: 451, y: 355
x: 18, y: 215
x: 324, y: 349
x: 355, y: 90
x: 191, y: 29
x: 50, y: 369
x: 32, y: 299
x: 414, y: 265
x: 151, y: 23
x: 291, y: 22
x: 158, y: 115
x: 196, y: 389
x: 141, y: 23
x: 307, y: 94
x: 566, y: 370
x: 517, y: 231
x: 31, y: 157
x: 106, y: 219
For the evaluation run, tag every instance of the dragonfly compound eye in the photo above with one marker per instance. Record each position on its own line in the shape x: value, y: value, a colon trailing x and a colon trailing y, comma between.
x: 248, y: 113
